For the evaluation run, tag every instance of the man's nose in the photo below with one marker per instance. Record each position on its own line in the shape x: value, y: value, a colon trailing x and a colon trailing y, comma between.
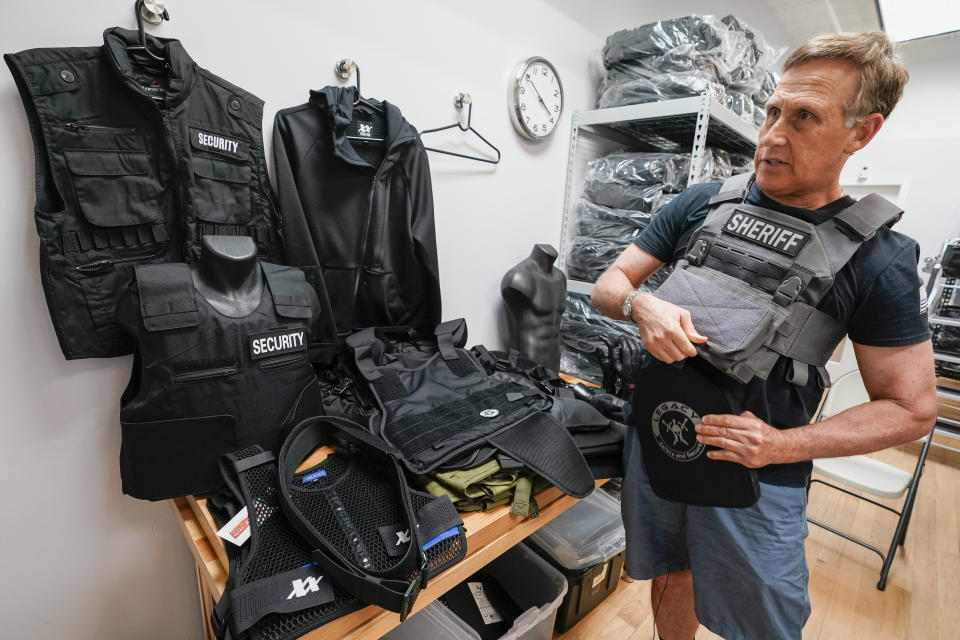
x: 773, y: 135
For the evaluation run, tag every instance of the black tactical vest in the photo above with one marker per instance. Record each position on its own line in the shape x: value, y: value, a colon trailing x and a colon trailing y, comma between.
x: 133, y: 165
x: 204, y: 384
x: 440, y: 407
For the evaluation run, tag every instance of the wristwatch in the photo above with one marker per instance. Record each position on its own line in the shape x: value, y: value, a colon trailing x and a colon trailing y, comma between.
x: 627, y: 308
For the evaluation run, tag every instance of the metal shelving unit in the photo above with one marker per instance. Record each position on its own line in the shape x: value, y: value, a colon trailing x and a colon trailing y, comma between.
x: 944, y: 291
x: 677, y: 126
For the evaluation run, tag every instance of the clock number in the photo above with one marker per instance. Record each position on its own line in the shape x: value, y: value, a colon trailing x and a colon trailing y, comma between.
x: 556, y: 108
x: 534, y: 127
x: 556, y: 93
x: 528, y: 119
x: 523, y: 106
x: 523, y: 90
x: 551, y: 118
x: 544, y: 71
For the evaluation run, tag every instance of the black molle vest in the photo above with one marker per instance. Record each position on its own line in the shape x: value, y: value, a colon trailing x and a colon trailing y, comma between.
x: 204, y: 384
x: 436, y: 409
x: 369, y: 532
x: 274, y: 590
x: 133, y: 166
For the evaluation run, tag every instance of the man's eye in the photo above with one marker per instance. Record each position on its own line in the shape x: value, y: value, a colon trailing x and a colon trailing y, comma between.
x: 805, y: 115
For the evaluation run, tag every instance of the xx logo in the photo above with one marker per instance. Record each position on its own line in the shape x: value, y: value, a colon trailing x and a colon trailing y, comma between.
x: 402, y: 537
x: 366, y: 130
x: 305, y: 586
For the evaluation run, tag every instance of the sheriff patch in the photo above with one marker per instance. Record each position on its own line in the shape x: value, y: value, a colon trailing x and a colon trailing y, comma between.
x: 766, y: 233
x: 275, y: 343
x: 217, y: 143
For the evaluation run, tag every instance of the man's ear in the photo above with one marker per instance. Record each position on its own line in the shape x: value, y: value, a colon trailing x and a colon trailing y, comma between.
x: 863, y: 133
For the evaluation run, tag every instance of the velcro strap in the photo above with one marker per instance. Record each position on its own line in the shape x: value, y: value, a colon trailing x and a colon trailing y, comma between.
x: 808, y: 335
x: 522, y: 495
x: 287, y: 592
x: 733, y: 188
x: 436, y: 518
x: 389, y: 386
x: 289, y: 290
x: 862, y: 219
x: 450, y: 335
x: 799, y: 373
x: 167, y: 296
x: 728, y: 196
x: 246, y: 464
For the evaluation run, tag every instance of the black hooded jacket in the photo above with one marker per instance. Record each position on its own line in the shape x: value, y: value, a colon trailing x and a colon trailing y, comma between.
x: 358, y: 214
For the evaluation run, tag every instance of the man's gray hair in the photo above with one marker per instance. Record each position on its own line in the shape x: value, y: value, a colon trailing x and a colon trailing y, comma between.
x: 882, y: 74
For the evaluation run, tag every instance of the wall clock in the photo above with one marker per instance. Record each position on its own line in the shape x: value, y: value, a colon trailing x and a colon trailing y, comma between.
x: 535, y: 99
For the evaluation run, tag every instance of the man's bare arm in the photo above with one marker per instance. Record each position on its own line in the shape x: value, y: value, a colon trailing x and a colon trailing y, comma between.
x: 903, y: 407
x: 666, y: 330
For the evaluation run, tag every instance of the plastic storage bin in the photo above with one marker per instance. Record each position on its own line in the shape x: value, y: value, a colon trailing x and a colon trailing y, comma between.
x: 433, y: 622
x: 520, y: 588
x: 585, y: 543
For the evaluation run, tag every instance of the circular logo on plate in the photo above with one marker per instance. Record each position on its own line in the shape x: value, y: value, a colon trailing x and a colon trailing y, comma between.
x: 673, y: 429
x: 489, y: 413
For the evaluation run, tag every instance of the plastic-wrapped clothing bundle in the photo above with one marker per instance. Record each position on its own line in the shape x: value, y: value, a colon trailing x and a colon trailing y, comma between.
x: 667, y: 86
x: 688, y: 56
x: 586, y: 336
x: 590, y: 257
x: 606, y: 223
x: 694, y: 32
x: 720, y: 165
x: 667, y: 169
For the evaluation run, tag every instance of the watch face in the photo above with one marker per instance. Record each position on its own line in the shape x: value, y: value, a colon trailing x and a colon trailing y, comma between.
x: 538, y: 99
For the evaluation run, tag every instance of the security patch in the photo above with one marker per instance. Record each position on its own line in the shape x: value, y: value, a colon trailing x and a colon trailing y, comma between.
x: 275, y: 343
x: 766, y: 233
x: 218, y: 143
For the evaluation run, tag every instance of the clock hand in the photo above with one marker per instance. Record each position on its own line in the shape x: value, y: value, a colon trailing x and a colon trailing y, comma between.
x: 539, y: 97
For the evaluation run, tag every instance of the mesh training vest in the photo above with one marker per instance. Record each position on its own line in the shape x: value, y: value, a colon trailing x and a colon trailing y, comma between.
x: 368, y: 531
x: 752, y: 279
x: 204, y: 384
x: 435, y: 408
x: 133, y: 166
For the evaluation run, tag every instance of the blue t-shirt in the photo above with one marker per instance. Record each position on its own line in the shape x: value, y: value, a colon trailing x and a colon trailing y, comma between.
x: 876, y: 296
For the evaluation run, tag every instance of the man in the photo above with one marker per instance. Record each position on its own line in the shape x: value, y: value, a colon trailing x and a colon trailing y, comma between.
x: 742, y: 572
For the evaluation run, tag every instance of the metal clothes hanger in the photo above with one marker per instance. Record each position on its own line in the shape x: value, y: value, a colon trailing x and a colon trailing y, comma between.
x: 458, y: 102
x: 154, y: 12
x: 344, y: 68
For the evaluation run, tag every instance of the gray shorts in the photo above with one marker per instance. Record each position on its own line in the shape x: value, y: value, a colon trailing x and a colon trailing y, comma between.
x: 749, y: 566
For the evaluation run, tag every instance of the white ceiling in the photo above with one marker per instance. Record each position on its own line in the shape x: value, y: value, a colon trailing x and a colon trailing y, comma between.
x: 802, y: 19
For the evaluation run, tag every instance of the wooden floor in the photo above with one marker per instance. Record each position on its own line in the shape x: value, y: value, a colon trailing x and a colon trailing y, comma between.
x: 922, y: 598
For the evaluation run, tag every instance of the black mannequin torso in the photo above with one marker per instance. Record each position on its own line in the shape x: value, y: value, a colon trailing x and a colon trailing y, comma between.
x: 534, y: 293
x: 227, y: 275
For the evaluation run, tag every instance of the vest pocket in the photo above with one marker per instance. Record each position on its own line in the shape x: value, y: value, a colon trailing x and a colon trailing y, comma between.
x: 221, y: 191
x: 114, y: 188
x: 736, y: 318
x: 170, y: 458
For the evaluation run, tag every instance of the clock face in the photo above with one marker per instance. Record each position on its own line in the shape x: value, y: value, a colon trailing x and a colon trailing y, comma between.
x: 537, y: 99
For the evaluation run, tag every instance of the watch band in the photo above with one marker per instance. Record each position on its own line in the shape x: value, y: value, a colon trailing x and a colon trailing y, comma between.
x: 627, y: 308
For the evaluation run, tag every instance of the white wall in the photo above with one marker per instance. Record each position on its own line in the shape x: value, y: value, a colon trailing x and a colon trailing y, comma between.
x: 81, y: 560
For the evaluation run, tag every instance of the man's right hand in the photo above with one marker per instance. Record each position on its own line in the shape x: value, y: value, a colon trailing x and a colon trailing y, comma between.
x: 666, y: 330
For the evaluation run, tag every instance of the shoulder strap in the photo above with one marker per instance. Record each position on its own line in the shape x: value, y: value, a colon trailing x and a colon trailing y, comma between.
x: 845, y: 232
x: 288, y: 286
x: 862, y: 219
x: 167, y: 296
x: 733, y: 188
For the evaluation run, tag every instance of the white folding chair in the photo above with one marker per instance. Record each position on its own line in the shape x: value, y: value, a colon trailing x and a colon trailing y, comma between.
x: 866, y: 474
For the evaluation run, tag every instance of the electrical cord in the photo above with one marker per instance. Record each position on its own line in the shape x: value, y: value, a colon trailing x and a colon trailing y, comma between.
x: 656, y: 609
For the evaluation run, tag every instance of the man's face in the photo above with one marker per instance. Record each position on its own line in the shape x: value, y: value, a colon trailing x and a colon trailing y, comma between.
x: 804, y: 140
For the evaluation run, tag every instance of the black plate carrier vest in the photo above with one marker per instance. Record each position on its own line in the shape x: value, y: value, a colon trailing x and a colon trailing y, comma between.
x: 133, y: 167
x: 204, y: 384
x: 434, y: 410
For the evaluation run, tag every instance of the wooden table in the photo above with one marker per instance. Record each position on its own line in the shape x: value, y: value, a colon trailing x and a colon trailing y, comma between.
x: 489, y: 534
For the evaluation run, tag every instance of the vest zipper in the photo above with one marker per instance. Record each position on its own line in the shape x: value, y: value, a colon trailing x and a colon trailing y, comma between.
x: 366, y: 233
x: 97, y: 128
x: 98, y: 266
x: 193, y: 376
x: 282, y: 361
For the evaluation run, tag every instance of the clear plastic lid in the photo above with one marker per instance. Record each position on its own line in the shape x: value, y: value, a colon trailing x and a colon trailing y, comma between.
x: 433, y: 622
x: 588, y: 533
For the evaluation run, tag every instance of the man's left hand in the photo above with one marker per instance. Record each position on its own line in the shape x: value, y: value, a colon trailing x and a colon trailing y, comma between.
x: 745, y: 439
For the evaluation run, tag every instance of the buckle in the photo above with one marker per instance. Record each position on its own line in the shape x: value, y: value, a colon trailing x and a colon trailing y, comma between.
x: 410, y: 595
x: 788, y: 291
x: 697, y: 253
